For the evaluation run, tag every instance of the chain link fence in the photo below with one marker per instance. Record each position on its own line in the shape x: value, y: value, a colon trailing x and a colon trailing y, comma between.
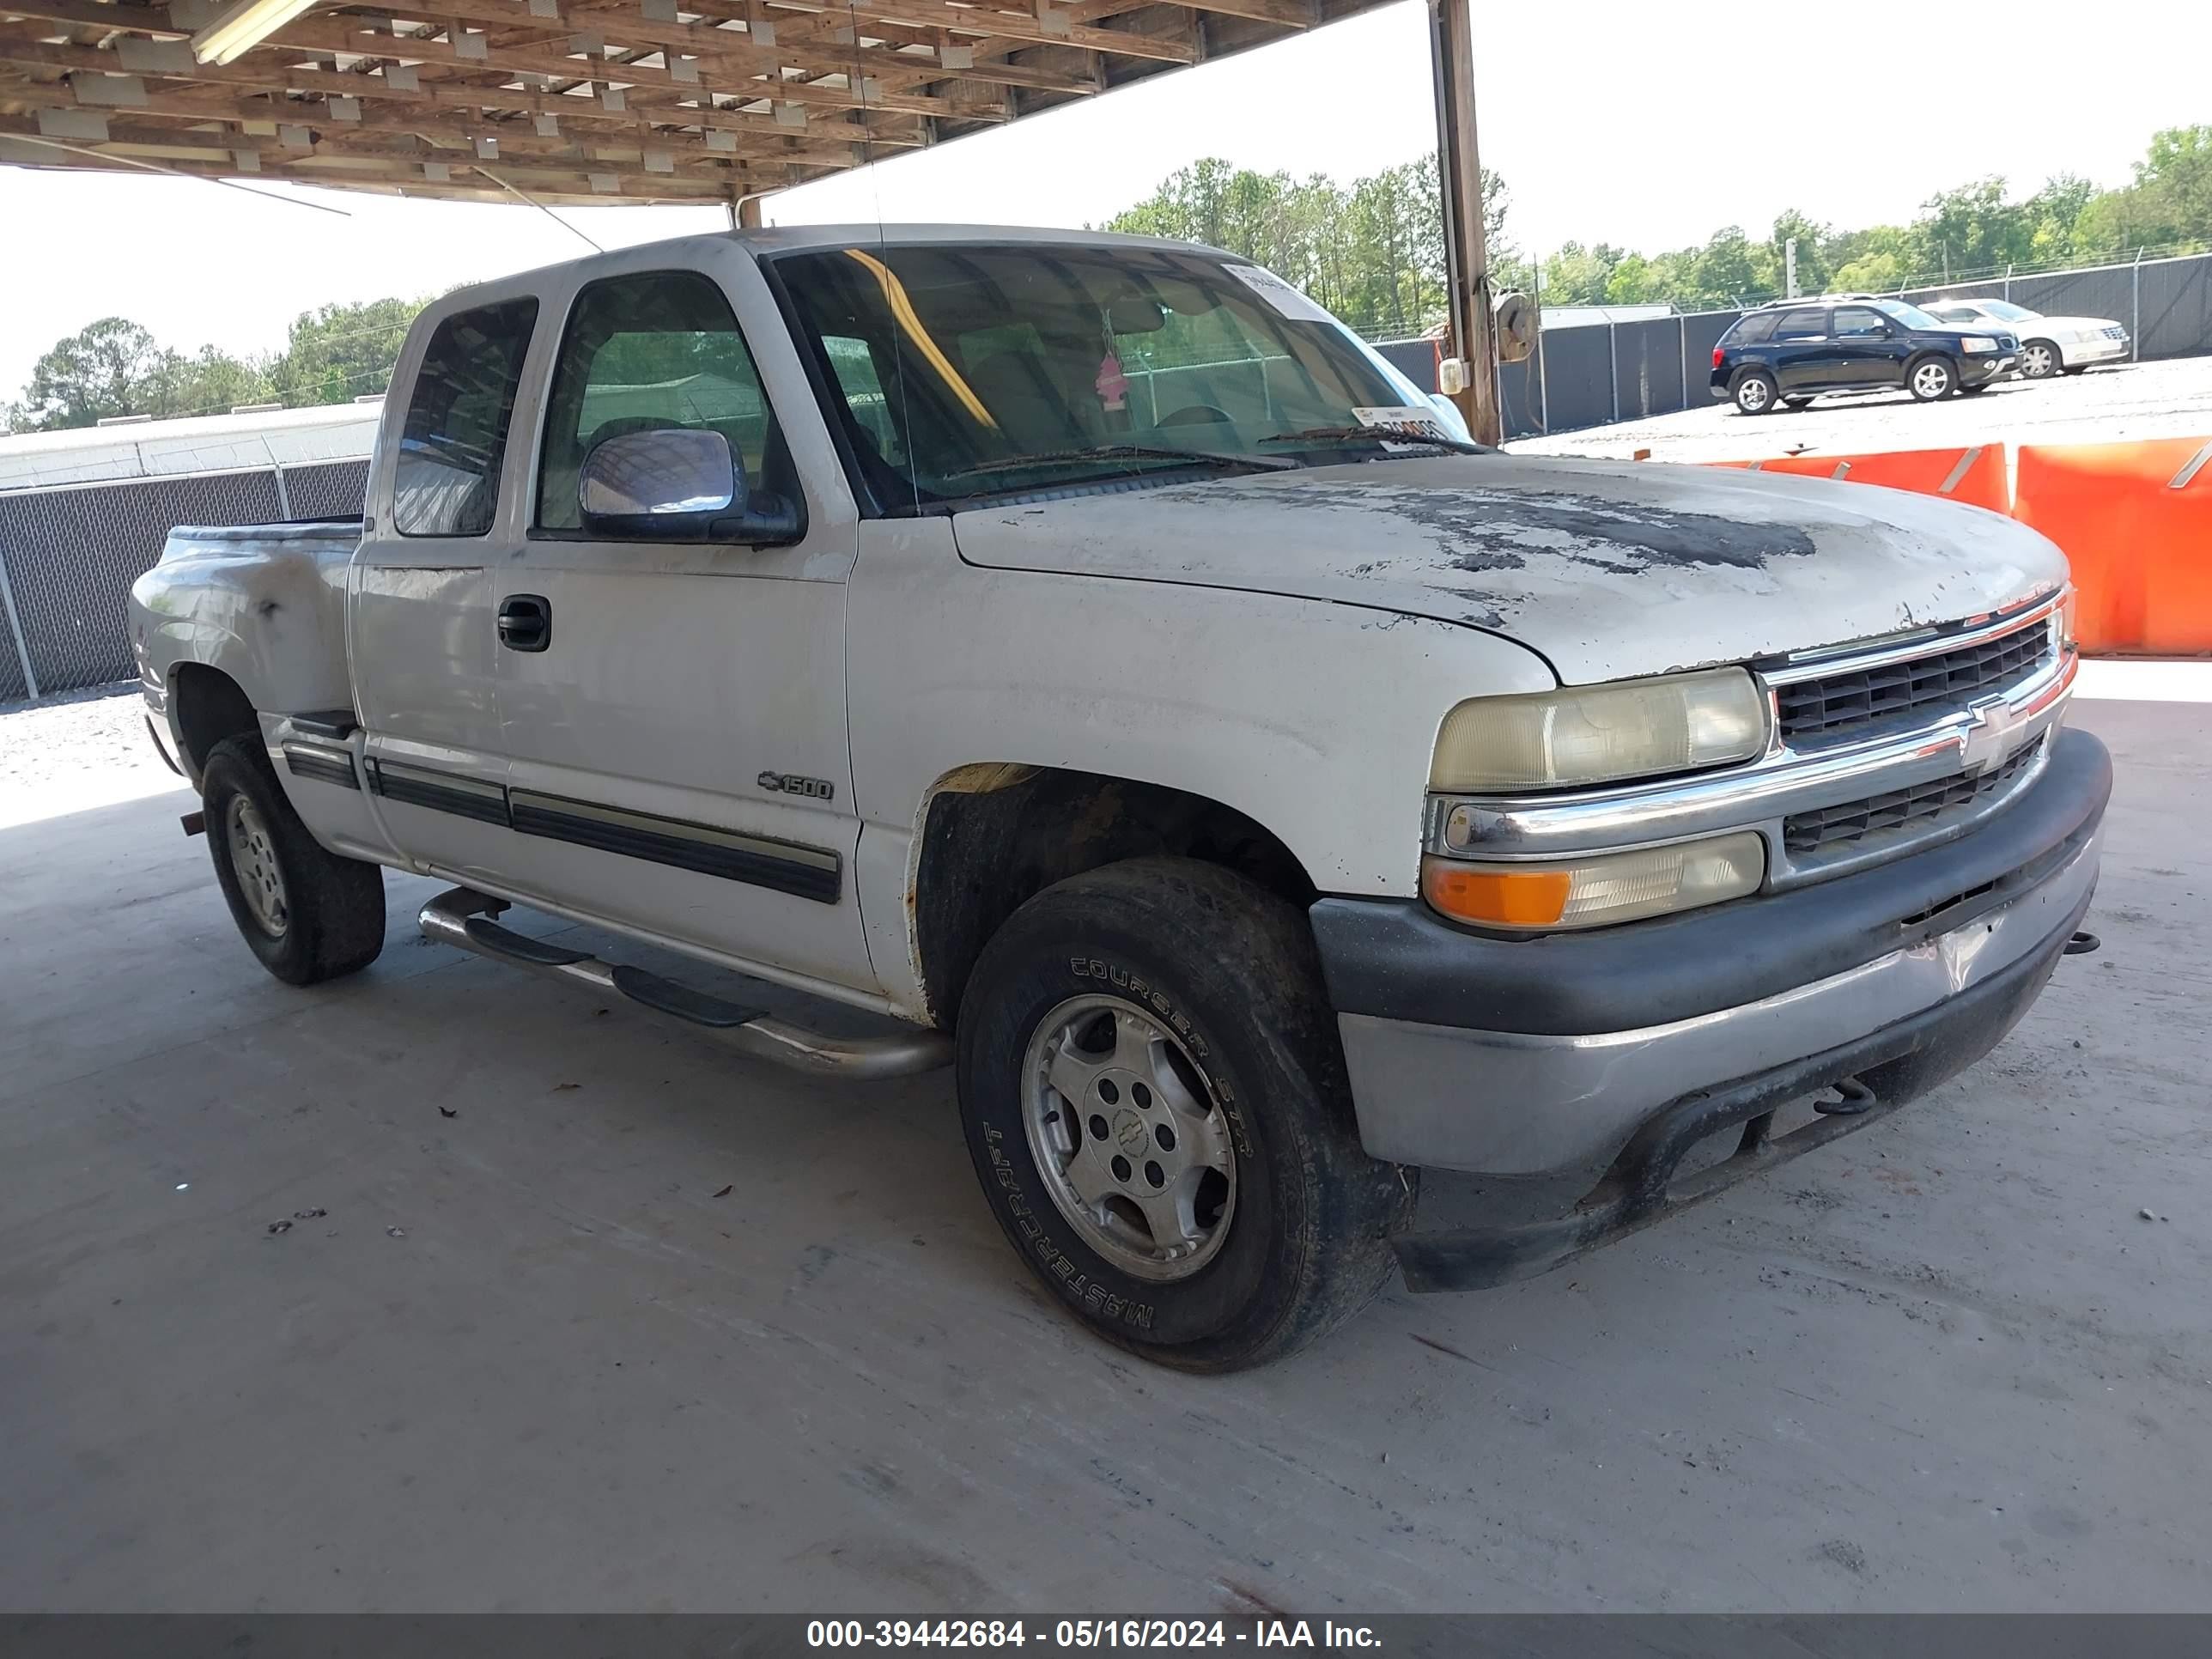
x: 68, y: 555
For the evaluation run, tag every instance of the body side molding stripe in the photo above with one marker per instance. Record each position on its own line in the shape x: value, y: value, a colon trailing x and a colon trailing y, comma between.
x: 334, y: 766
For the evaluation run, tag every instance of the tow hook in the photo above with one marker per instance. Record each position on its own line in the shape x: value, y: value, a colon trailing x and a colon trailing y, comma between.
x: 2083, y: 944
x: 1856, y: 1098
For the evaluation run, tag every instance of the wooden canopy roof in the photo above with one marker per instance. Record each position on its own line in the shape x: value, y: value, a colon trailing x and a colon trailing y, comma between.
x: 581, y: 100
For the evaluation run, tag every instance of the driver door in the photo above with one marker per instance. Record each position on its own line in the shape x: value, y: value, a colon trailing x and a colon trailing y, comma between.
x: 673, y: 713
x: 1868, y: 348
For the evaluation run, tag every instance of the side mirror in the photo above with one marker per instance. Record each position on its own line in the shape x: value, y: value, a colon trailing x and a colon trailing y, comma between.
x: 676, y: 485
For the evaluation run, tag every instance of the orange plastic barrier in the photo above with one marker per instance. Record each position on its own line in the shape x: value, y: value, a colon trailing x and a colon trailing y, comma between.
x: 2135, y: 521
x: 1975, y: 476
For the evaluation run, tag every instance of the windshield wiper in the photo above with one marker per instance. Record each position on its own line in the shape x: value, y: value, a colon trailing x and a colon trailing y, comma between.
x: 1375, y: 435
x: 1123, y: 452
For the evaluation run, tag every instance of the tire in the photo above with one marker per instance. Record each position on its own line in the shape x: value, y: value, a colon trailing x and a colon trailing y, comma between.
x: 306, y: 913
x: 2040, y: 360
x: 1186, y: 977
x: 1931, y: 379
x: 1754, y: 393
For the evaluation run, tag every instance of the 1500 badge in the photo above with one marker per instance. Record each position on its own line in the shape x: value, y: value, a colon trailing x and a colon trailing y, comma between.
x: 785, y: 783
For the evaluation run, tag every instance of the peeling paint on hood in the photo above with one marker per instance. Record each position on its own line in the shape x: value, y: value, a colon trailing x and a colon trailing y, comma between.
x: 1608, y: 568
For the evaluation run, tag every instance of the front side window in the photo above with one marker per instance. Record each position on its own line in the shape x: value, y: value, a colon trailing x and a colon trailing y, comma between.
x: 1856, y: 322
x: 1956, y: 314
x: 958, y: 371
x: 643, y: 354
x: 447, y: 482
x: 1806, y: 322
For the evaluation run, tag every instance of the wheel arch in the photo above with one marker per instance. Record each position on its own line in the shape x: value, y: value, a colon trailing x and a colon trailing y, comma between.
x: 994, y: 835
x: 206, y: 705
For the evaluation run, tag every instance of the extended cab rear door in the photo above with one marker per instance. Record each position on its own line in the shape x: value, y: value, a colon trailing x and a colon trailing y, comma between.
x: 677, y: 752
x: 419, y: 606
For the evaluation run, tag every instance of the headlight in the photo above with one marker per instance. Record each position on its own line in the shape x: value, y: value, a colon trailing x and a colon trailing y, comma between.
x: 1980, y: 343
x: 1599, y: 733
x: 1597, y: 891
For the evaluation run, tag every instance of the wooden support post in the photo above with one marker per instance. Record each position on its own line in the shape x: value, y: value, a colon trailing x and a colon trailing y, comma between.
x: 748, y: 213
x: 1459, y: 172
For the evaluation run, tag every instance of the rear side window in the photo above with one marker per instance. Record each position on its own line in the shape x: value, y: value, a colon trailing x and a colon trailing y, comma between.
x: 447, y: 479
x: 643, y: 354
x: 1806, y: 322
x: 1753, y: 328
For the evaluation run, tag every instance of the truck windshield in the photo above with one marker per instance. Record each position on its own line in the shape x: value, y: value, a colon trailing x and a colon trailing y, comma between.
x: 966, y: 370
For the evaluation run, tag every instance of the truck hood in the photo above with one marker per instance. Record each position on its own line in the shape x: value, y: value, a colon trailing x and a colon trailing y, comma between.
x: 1608, y: 569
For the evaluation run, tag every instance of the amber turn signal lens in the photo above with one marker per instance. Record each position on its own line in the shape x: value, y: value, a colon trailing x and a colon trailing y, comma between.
x: 1497, y: 898
x: 1601, y: 889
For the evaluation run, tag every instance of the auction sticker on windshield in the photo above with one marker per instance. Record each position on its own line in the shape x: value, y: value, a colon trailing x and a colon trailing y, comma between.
x: 1406, y: 419
x: 1286, y: 300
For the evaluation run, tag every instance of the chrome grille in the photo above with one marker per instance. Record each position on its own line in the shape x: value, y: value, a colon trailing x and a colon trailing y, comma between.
x: 1917, y: 807
x: 1838, y: 704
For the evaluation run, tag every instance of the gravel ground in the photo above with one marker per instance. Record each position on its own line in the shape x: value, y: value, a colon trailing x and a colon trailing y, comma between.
x: 78, y: 742
x: 2106, y: 405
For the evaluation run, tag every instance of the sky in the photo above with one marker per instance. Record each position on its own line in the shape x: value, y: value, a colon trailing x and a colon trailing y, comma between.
x: 1632, y: 124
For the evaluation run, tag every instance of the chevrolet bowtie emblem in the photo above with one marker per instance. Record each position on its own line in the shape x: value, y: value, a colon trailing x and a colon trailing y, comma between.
x: 1993, y: 736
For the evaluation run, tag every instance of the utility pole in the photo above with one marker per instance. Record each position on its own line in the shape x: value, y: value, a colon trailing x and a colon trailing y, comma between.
x: 1790, y: 269
x: 1467, y: 258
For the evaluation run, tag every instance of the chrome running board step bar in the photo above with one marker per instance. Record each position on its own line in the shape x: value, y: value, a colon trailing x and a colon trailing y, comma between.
x: 463, y: 919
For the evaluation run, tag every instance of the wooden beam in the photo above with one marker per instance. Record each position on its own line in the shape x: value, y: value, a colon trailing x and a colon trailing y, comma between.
x: 1026, y: 28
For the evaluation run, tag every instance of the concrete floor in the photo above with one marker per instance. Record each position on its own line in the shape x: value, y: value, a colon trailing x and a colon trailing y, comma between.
x: 534, y: 1357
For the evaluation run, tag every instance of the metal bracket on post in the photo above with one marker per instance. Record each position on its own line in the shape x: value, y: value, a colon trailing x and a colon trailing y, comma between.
x: 15, y: 628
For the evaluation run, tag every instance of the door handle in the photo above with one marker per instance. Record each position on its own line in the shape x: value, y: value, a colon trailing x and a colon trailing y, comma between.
x: 525, y: 623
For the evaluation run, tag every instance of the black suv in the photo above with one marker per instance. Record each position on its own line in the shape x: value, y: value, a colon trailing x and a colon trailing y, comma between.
x: 1793, y: 350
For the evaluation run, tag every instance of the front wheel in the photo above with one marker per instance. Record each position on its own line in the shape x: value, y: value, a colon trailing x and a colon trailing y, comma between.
x: 1931, y: 379
x: 2039, y: 361
x: 1155, y: 1100
x: 307, y: 913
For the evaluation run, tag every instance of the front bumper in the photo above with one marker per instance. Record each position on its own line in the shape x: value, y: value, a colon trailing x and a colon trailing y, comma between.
x: 1981, y: 370
x: 1526, y: 1056
x: 2102, y: 349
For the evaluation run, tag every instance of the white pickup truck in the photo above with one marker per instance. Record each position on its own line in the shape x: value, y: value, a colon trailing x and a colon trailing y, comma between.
x: 1084, y: 651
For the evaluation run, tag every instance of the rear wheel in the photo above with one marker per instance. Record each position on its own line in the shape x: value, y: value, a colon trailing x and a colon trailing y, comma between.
x: 2040, y: 360
x: 306, y: 913
x: 1155, y: 1100
x: 1930, y: 379
x: 1754, y: 391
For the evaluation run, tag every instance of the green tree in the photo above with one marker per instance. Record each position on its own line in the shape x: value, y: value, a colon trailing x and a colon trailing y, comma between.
x: 210, y: 384
x: 102, y: 371
x: 1725, y: 271
x: 1372, y: 252
x: 2175, y: 181
x: 337, y: 353
x: 1813, y: 240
